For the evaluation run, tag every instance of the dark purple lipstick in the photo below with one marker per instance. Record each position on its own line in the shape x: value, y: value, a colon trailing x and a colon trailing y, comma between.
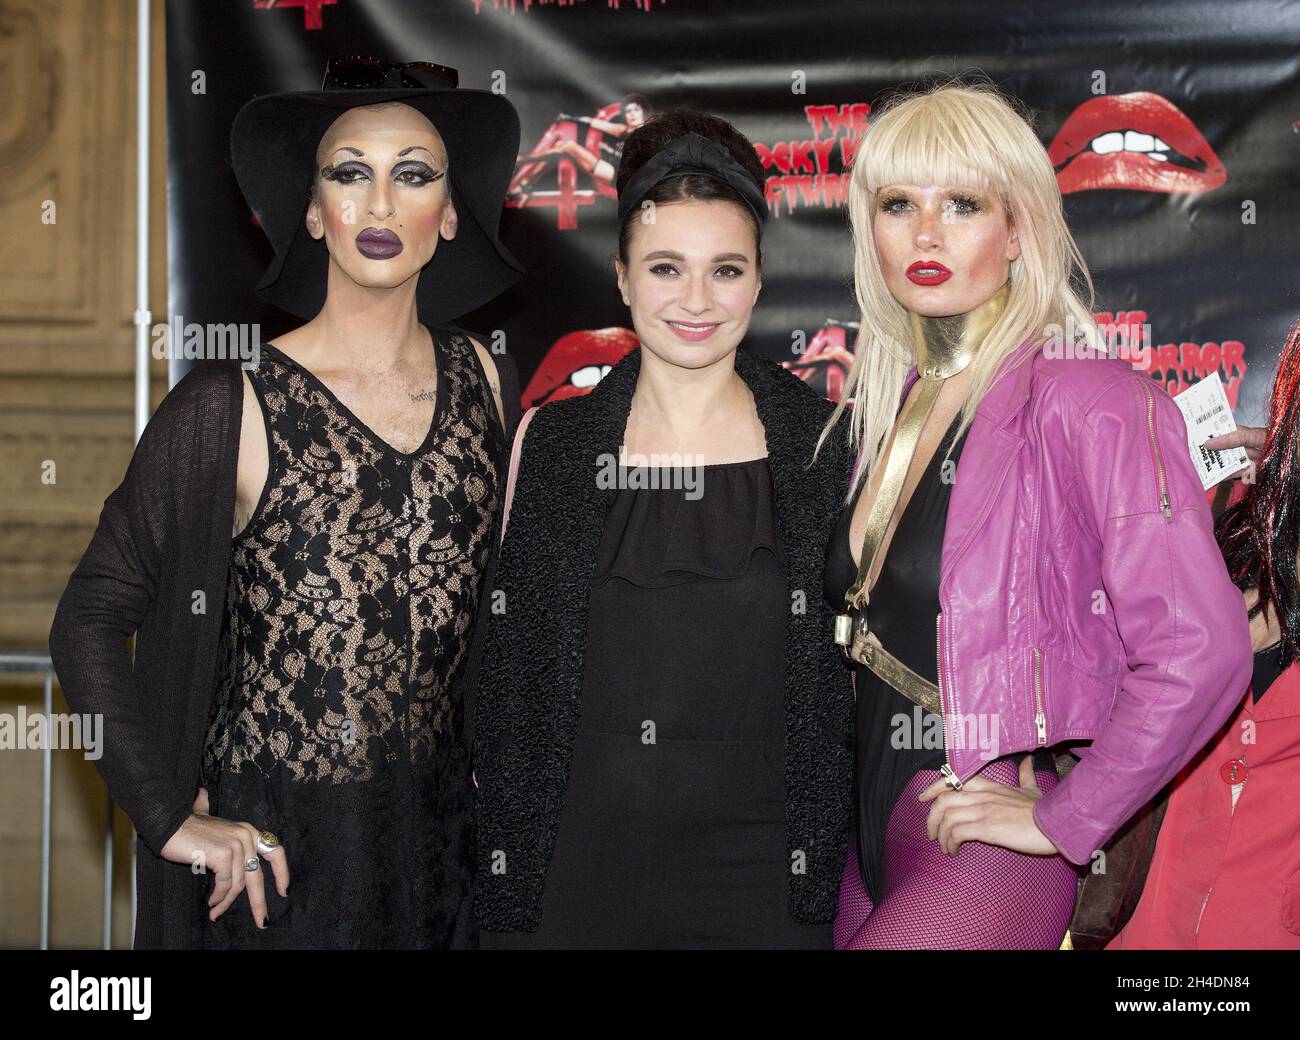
x: 378, y: 244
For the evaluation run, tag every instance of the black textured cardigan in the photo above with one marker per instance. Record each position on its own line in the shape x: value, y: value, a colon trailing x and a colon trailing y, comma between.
x: 532, y: 665
x: 163, y: 539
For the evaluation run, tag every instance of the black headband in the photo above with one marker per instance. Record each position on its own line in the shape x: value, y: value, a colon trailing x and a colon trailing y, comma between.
x: 693, y: 153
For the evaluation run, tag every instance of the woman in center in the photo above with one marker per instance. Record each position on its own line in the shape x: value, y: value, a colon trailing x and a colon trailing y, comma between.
x: 662, y: 735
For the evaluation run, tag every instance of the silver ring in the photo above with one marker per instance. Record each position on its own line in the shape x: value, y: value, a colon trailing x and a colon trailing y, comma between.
x: 267, y: 842
x: 252, y: 864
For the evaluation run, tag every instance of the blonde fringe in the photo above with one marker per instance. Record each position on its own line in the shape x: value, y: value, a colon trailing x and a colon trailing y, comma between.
x: 957, y: 133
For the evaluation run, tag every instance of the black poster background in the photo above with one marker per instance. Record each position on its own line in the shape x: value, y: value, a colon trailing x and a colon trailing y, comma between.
x: 1209, y: 267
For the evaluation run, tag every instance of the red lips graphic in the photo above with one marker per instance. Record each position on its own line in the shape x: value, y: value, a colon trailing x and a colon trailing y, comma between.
x: 577, y: 354
x: 1114, y: 142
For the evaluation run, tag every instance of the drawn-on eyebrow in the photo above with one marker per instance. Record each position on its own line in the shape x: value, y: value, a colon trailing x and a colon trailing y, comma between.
x: 668, y: 254
x: 417, y: 148
x: 359, y: 154
x: 405, y: 151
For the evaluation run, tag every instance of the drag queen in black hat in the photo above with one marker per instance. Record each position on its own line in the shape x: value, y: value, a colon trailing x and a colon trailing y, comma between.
x: 300, y: 551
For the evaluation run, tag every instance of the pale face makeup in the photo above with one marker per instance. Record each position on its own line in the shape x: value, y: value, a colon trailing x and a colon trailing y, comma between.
x: 383, y: 199
x: 943, y: 250
x: 691, y: 281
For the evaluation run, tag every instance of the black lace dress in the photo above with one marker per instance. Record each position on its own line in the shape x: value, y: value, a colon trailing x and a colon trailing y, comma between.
x: 351, y: 600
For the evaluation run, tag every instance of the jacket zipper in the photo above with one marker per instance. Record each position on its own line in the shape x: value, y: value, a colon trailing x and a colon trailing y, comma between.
x: 1040, y: 717
x: 946, y: 769
x: 1204, y: 903
x: 1155, y: 449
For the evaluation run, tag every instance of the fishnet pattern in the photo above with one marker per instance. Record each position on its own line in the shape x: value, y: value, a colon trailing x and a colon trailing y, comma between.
x: 984, y: 898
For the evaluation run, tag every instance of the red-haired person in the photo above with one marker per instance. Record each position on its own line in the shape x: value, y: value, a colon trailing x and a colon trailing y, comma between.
x: 1226, y: 870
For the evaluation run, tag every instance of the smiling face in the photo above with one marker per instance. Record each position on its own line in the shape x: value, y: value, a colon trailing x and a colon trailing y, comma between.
x: 382, y: 197
x: 942, y: 250
x: 691, y: 281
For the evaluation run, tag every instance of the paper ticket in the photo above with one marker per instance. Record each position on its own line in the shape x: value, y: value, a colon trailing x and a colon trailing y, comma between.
x: 1205, y: 410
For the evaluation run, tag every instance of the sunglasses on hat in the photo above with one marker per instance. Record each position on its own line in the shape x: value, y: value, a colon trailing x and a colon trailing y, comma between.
x: 359, y: 72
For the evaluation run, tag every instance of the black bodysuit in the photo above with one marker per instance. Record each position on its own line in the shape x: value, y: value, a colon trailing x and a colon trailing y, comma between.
x: 896, y: 738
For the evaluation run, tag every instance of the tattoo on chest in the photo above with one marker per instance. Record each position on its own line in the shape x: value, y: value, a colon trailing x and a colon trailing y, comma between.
x: 425, y: 395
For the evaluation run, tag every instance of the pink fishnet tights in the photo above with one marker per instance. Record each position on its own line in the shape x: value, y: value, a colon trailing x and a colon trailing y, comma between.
x: 986, y: 898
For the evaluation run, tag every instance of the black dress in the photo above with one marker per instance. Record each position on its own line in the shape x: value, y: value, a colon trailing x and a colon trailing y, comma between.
x: 904, y: 611
x: 336, y: 725
x: 672, y: 832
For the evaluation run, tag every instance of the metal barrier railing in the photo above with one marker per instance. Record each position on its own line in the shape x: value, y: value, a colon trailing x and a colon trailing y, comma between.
x: 21, y: 662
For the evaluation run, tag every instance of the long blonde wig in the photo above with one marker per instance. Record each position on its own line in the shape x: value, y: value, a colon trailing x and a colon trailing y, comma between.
x: 955, y: 134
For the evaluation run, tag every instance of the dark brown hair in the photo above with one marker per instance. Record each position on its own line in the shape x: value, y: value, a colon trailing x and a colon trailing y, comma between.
x: 656, y: 133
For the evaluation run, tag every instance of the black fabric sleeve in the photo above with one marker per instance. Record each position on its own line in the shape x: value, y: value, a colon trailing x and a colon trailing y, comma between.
x: 107, y: 598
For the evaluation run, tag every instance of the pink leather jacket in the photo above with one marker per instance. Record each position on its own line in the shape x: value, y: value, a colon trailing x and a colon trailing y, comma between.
x: 1082, y: 594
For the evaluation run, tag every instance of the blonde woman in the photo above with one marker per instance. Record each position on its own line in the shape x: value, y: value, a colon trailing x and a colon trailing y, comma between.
x: 1026, y: 558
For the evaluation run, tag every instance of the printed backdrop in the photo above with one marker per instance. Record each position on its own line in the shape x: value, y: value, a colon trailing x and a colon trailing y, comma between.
x: 1174, y: 129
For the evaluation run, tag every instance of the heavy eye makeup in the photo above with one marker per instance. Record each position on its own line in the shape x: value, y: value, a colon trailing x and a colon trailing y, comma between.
x: 410, y: 172
x: 963, y: 203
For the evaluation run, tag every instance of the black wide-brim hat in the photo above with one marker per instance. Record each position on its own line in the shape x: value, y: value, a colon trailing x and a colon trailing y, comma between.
x: 273, y: 146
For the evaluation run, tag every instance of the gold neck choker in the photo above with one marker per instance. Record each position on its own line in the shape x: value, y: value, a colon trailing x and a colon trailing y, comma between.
x: 946, y: 346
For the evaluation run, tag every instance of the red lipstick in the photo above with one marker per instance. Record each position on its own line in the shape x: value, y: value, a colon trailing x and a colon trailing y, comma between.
x: 928, y: 272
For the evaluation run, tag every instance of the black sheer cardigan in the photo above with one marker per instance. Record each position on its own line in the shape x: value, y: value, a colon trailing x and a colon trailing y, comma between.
x: 156, y: 568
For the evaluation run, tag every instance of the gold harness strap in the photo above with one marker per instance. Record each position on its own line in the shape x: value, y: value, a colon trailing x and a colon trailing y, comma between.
x: 852, y: 633
x: 945, y: 346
